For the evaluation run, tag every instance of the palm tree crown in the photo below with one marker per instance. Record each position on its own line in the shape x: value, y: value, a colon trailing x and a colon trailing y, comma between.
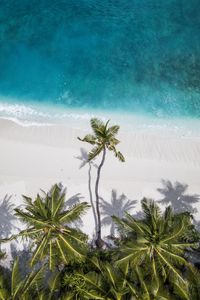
x: 49, y: 227
x: 103, y: 137
x: 157, y: 245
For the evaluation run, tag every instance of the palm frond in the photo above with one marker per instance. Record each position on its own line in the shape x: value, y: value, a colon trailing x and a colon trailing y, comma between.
x: 92, y: 279
x: 145, y: 291
x: 178, y: 231
x: 113, y: 130
x: 95, y: 152
x: 155, y: 284
x: 74, y: 213
x: 15, y: 277
x: 54, y: 283
x: 40, y: 205
x: 151, y: 210
x: 40, y: 248
x: 181, y: 290
x: 3, y: 294
x: 118, y: 154
x: 29, y: 218
x: 89, y: 138
x: 24, y: 233
x: 72, y: 249
x: 98, y: 126
x: 171, y: 267
x: 34, y: 278
x: 55, y: 196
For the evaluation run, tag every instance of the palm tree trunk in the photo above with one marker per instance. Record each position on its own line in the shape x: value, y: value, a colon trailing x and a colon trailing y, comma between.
x: 99, y: 241
x: 91, y: 198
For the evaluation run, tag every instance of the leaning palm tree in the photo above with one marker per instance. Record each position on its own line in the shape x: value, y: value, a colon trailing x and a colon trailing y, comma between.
x: 103, y: 139
x: 156, y: 245
x: 50, y: 230
x: 118, y: 206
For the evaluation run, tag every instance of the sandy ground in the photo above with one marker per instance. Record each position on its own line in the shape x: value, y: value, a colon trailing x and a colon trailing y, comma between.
x: 158, y: 166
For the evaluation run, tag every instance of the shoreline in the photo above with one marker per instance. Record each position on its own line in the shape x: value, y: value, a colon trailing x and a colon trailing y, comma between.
x: 40, y: 114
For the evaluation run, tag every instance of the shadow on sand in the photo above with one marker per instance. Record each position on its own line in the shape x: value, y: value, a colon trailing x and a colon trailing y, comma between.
x: 75, y: 199
x: 6, y: 217
x: 83, y: 157
x: 174, y: 194
x: 117, y: 206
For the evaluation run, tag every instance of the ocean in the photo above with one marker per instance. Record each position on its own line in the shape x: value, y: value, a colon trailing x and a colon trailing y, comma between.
x: 135, y: 57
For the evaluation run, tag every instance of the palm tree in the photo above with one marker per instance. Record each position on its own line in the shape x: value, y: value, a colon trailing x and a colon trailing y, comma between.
x: 103, y: 139
x: 155, y: 247
x: 118, y: 207
x: 49, y: 228
x: 20, y: 288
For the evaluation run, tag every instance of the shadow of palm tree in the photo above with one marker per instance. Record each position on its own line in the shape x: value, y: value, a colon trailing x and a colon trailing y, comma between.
x: 83, y: 157
x: 175, y: 195
x: 117, y: 207
x: 6, y: 217
x: 74, y: 200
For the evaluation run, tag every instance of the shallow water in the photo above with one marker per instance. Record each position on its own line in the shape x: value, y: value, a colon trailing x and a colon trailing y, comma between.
x: 139, y: 56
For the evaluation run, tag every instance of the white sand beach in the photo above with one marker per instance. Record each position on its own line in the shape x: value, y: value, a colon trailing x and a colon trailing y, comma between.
x: 36, y: 157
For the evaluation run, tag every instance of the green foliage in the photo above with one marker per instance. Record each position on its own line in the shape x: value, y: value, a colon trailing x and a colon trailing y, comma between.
x: 104, y: 281
x: 154, y: 247
x: 20, y: 288
x: 49, y: 229
x: 103, y: 137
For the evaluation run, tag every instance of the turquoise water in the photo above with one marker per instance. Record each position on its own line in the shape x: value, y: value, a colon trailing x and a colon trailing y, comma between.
x: 139, y: 56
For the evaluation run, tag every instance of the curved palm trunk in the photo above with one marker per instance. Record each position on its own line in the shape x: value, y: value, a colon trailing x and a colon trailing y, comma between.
x: 91, y: 198
x: 99, y: 241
